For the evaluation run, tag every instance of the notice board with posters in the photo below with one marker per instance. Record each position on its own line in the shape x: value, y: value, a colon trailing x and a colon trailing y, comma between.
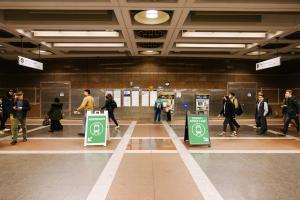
x: 198, y: 131
x: 96, y: 129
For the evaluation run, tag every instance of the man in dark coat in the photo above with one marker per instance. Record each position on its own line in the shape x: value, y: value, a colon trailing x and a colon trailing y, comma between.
x: 20, y: 108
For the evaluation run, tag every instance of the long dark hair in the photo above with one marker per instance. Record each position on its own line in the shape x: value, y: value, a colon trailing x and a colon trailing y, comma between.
x: 226, y: 99
x: 109, y: 97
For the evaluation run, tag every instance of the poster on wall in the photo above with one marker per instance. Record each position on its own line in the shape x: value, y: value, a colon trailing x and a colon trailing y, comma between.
x: 127, y: 98
x: 145, y: 98
x: 117, y: 97
x: 153, y: 97
x: 135, y: 98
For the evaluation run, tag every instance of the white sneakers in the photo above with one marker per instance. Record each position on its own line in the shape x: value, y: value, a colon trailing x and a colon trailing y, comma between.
x: 233, y: 134
x: 6, y: 130
x: 117, y: 127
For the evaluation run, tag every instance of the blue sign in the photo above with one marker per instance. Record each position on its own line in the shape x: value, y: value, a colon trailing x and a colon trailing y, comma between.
x: 185, y: 106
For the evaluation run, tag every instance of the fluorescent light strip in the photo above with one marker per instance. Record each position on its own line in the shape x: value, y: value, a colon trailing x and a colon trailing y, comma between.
x: 224, y: 34
x: 88, y: 44
x: 75, y: 33
x: 194, y: 45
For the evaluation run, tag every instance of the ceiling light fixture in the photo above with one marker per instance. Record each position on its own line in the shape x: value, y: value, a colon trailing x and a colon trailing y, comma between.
x: 75, y: 33
x: 256, y: 53
x: 150, y: 52
x: 41, y: 52
x: 151, y: 17
x: 224, y: 34
x: 198, y: 45
x: 62, y: 44
x: 151, y: 14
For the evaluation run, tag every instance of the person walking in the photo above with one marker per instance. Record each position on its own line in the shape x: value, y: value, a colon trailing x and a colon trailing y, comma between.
x: 292, y: 106
x: 110, y: 106
x: 7, y: 104
x: 229, y: 115
x: 261, y: 113
x: 1, y: 115
x: 20, y: 108
x: 237, y: 109
x: 55, y: 115
x: 284, y: 112
x: 87, y: 104
x: 158, y: 106
x: 169, y: 108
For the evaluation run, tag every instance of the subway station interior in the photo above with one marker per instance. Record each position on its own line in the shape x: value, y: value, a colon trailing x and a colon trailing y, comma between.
x: 149, y: 100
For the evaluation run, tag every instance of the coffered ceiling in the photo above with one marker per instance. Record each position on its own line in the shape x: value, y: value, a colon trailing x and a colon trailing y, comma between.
x: 192, y: 28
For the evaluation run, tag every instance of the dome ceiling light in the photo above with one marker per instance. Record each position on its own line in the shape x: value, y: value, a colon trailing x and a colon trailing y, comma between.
x: 151, y: 17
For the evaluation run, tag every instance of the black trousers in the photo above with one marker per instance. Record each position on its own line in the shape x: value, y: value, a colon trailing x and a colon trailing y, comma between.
x: 262, y: 122
x: 235, y: 123
x: 228, y: 120
x: 112, y: 117
x: 56, y: 125
x: 3, y: 119
x: 288, y: 120
x: 169, y: 116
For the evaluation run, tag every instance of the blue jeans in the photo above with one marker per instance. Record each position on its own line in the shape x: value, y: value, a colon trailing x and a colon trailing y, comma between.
x: 157, y: 115
x: 288, y: 120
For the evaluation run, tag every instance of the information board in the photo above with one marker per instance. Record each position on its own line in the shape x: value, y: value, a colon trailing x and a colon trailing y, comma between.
x: 127, y: 98
x: 135, y: 98
x: 198, y: 130
x: 153, y: 97
x: 145, y: 98
x: 96, y: 129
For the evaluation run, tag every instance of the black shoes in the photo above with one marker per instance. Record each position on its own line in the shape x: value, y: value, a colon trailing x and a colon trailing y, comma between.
x: 13, y: 142
x: 81, y: 134
x: 25, y: 140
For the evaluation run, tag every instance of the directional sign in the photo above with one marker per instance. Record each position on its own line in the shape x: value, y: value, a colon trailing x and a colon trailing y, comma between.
x: 97, y: 129
x: 268, y: 63
x: 30, y: 63
x: 198, y: 130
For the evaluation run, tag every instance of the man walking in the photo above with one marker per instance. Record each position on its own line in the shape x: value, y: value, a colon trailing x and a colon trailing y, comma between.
x: 292, y: 107
x: 88, y: 104
x: 261, y: 113
x: 20, y: 109
x: 237, y: 109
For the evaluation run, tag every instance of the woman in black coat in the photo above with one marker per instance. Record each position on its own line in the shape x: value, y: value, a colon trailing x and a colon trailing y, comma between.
x: 110, y: 106
x: 229, y: 114
x: 55, y: 114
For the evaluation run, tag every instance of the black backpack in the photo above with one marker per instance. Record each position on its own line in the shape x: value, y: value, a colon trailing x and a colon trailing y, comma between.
x: 114, y: 104
x: 239, y: 110
x: 270, y: 110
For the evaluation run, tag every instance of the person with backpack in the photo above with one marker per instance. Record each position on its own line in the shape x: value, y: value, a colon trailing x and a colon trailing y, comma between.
x: 158, y: 106
x: 55, y: 114
x: 229, y: 115
x: 110, y: 106
x: 237, y: 109
x: 293, y: 109
x: 261, y: 114
x: 270, y: 111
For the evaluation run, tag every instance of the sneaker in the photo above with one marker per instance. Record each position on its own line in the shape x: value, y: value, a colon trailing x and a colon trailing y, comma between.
x: 233, y: 134
x: 221, y: 134
x: 117, y: 127
x: 20, y: 130
x: 13, y: 142
x: 6, y: 130
x: 25, y: 140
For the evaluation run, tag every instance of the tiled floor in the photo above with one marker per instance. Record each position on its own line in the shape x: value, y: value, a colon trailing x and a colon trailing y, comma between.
x: 49, y: 177
x: 58, y: 166
x: 253, y: 176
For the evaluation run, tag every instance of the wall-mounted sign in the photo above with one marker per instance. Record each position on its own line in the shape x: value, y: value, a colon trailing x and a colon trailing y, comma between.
x: 30, y: 63
x: 274, y: 62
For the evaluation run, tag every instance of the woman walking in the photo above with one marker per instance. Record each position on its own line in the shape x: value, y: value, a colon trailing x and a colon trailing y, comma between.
x: 110, y: 106
x: 228, y: 112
